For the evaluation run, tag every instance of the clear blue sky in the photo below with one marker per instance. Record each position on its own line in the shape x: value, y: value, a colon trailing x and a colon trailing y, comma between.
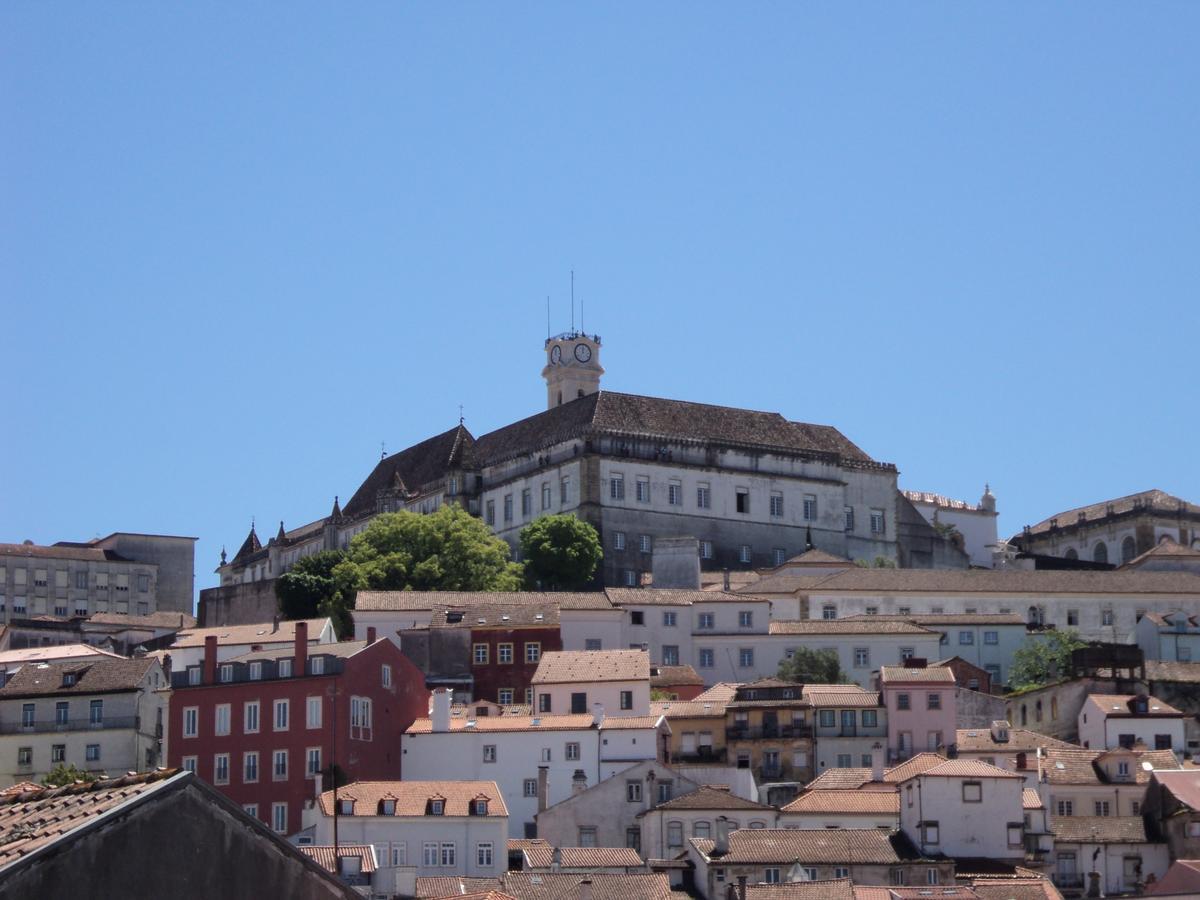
x: 243, y: 244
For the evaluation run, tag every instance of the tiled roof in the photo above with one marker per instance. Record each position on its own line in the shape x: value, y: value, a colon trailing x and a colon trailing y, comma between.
x: 515, y: 844
x: 1148, y: 500
x: 496, y: 615
x: 429, y: 887
x: 945, y: 619
x: 841, y: 889
x: 38, y: 551
x: 340, y: 649
x: 838, y: 779
x: 542, y: 857
x: 609, y: 413
x: 721, y: 692
x: 509, y: 723
x: 979, y: 740
x: 867, y: 625
x: 687, y: 709
x: 921, y: 762
x: 843, y: 696
x: 862, y: 846
x: 668, y: 676
x: 322, y: 855
x: 834, y: 801
x: 1001, y: 581
x: 583, y: 666
x: 159, y: 619
x: 968, y: 768
x: 1016, y: 889
x: 413, y: 467
x: 419, y: 601
x: 1184, y: 785
x: 258, y: 633
x: 412, y: 797
x: 1168, y: 621
x: 783, y: 581
x: 907, y: 674
x: 92, y: 676
x: 815, y: 557
x: 1180, y: 672
x: 623, y: 722
x: 705, y: 797
x: 1064, y: 766
x: 1164, y: 549
x: 30, y: 821
x: 672, y: 597
x: 1098, y: 829
x: 57, y: 652
x: 1031, y: 799
x: 1113, y: 705
x: 603, y: 886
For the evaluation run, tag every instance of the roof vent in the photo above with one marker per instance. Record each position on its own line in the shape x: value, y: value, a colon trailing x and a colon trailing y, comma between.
x: 535, y: 721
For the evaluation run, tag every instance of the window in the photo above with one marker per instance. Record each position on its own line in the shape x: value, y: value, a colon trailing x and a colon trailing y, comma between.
x: 189, y: 764
x: 877, y: 521
x: 1100, y: 553
x: 991, y: 637
x: 317, y: 665
x: 633, y: 791
x: 902, y: 701
x: 670, y: 655
x: 870, y: 718
x: 644, y: 543
x: 533, y: 651
x: 546, y: 495
x: 705, y: 658
x: 828, y: 611
x: 933, y: 701
x: 81, y: 581
x: 221, y: 768
x: 966, y: 637
x: 931, y: 876
x: 771, y: 875
x: 312, y: 712
x: 529, y: 787
x: 256, y: 671
x: 1135, y: 808
x: 571, y: 751
x: 284, y: 667
x: 701, y: 829
x: 827, y: 718
x: 587, y: 836
x: 972, y: 792
x: 250, y: 717
x: 706, y: 550
x: 489, y: 514
x: 191, y: 721
x: 626, y: 699
x: 616, y: 487
x: 24, y: 756
x: 848, y: 517
x: 746, y: 658
x: 778, y: 556
x: 593, y: 644
x: 526, y: 502
x: 92, y: 753
x: 1102, y: 808
x: 668, y: 620
x: 1066, y: 808
x: 226, y: 674
x: 742, y: 500
x: 618, y: 540
x: 929, y: 833
x: 449, y: 853
x: 504, y: 696
x: 96, y: 712
x: 907, y: 653
x: 630, y: 577
x: 862, y: 657
x: 489, y: 753
x: 675, y: 835
x: 279, y: 817
x: 810, y: 507
x: 280, y: 765
x: 481, y: 654
x: 544, y: 703
x: 250, y: 767
x: 675, y: 493
x: 564, y: 490
x: 508, y: 507
x: 360, y: 718
x: 643, y: 490
x: 744, y: 553
x: 745, y: 618
x: 221, y: 725
x: 58, y: 753
x: 1072, y: 617
x: 776, y: 504
x: 844, y: 761
x: 705, y: 622
x: 281, y: 715
x: 483, y: 854
x: 703, y: 496
x: 504, y: 654
x: 1106, y: 617
x: 872, y: 610
x: 429, y: 853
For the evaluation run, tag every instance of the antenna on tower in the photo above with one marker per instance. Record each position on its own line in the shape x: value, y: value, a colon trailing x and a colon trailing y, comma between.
x: 382, y: 450
x: 572, y: 301
x: 547, y: 317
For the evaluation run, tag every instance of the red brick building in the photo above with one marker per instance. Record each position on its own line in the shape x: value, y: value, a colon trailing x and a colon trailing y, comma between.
x: 258, y: 727
x: 506, y: 645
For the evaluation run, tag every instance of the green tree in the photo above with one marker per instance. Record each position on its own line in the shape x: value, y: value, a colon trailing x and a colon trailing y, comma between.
x: 63, y: 774
x: 879, y: 562
x: 808, y: 666
x: 448, y: 550
x: 560, y: 552
x: 307, y: 585
x: 1043, y: 658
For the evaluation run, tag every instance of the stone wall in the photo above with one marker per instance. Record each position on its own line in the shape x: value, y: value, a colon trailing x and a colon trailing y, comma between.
x: 237, y: 604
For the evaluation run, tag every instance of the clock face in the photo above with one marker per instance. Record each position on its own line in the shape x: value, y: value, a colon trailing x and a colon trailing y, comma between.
x: 556, y: 354
x: 583, y: 352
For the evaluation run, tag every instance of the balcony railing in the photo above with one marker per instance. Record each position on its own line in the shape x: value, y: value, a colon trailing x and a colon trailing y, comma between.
x: 53, y: 725
x: 749, y: 733
x: 1067, y: 880
x: 701, y: 754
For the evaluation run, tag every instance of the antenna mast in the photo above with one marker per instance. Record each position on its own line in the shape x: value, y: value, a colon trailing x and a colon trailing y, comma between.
x: 572, y: 300
x: 547, y: 317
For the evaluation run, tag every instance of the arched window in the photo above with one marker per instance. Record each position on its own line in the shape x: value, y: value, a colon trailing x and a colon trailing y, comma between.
x: 1024, y: 716
x: 1128, y: 549
x: 1100, y: 552
x: 701, y: 830
x: 1053, y: 709
x: 1037, y: 711
x: 1071, y: 554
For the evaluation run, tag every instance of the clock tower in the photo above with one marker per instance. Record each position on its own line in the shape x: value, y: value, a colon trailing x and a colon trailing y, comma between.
x: 572, y: 367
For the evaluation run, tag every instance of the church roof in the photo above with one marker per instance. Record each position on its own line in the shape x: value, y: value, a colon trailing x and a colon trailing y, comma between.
x: 1159, y: 502
x: 413, y: 467
x: 250, y: 546
x: 610, y: 413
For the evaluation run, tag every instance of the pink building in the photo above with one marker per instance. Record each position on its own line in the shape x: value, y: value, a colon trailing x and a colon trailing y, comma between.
x: 920, y: 705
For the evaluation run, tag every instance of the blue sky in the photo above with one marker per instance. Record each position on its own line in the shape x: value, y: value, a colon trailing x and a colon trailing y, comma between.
x: 241, y: 245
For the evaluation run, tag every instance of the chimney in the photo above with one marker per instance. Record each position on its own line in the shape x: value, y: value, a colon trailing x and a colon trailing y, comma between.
x: 441, y: 709
x: 877, y: 761
x: 210, y: 659
x: 726, y: 580
x: 275, y: 623
x: 721, y: 844
x: 301, y: 665
x: 597, y: 714
x: 556, y: 860
x: 585, y: 889
x: 370, y: 635
x: 543, y: 788
x: 317, y: 785
x: 1021, y: 761
x: 578, y: 782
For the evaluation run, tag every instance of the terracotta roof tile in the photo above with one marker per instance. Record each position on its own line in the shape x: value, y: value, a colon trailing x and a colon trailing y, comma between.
x: 672, y: 597
x: 419, y: 601
x: 705, y: 797
x: 1031, y: 799
x: 968, y: 768
x: 1148, y: 500
x: 687, y: 709
x: 565, y: 885
x: 862, y: 846
x: 1098, y: 829
x: 54, y: 653
x: 439, y: 886
x: 1184, y: 785
x: 509, y: 723
x: 855, y: 778
x: 322, y: 855
x: 1122, y: 705
x: 542, y: 857
x: 1180, y: 672
x: 159, y: 619
x: 64, y: 551
x: 907, y: 674
x: 721, y: 692
x: 669, y: 676
x: 840, y: 695
x: 582, y: 666
x: 412, y: 797
x: 496, y: 615
x: 979, y: 740
x: 841, y: 889
x: 835, y: 801
x: 1016, y: 889
x: 258, y: 633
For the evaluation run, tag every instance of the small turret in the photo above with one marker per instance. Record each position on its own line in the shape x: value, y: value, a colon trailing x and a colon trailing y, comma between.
x: 988, y: 501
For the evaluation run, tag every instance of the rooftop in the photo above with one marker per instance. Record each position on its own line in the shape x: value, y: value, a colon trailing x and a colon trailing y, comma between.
x: 841, y: 889
x: 600, y: 886
x: 995, y: 581
x: 1152, y: 500
x: 863, y: 846
x: 1125, y: 705
x: 421, y: 601
x: 846, y: 801
x: 1098, y: 829
x: 259, y: 633
x: 908, y: 674
x: 546, y: 722
x: 865, y: 625
x: 542, y: 857
x: 584, y: 666
x: 323, y: 855
x: 706, y: 797
x: 412, y: 797
x: 58, y: 652
x: 1020, y: 740
x: 968, y: 768
x: 1183, y: 785
x: 672, y: 597
x: 669, y: 676
x: 86, y: 676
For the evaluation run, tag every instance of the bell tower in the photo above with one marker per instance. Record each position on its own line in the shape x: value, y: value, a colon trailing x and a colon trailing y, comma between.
x: 573, y: 367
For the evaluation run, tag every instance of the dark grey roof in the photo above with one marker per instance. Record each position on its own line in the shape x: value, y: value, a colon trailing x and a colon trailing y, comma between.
x: 92, y: 676
x: 413, y: 467
x: 1159, y: 502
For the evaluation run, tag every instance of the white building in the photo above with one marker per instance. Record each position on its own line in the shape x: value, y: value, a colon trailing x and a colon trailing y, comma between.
x: 1101, y: 783
x: 1122, y: 720
x: 1112, y: 852
x: 576, y: 681
x: 975, y: 523
x: 1007, y: 748
x: 436, y: 828
x: 535, y: 760
x: 1172, y: 637
x: 843, y: 809
x: 850, y: 726
x: 667, y: 826
x: 101, y: 715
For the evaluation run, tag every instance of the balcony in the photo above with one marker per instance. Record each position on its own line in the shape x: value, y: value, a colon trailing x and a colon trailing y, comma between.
x: 1067, y: 881
x: 700, y: 755
x: 53, y: 725
x: 768, y: 732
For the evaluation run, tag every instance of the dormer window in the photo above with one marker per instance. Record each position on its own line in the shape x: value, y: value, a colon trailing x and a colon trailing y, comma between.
x: 318, y: 665
x: 68, y: 679
x: 437, y: 807
x: 346, y: 807
x: 285, y: 668
x: 387, y: 807
x: 226, y: 673
x: 479, y: 807
x: 255, y: 671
